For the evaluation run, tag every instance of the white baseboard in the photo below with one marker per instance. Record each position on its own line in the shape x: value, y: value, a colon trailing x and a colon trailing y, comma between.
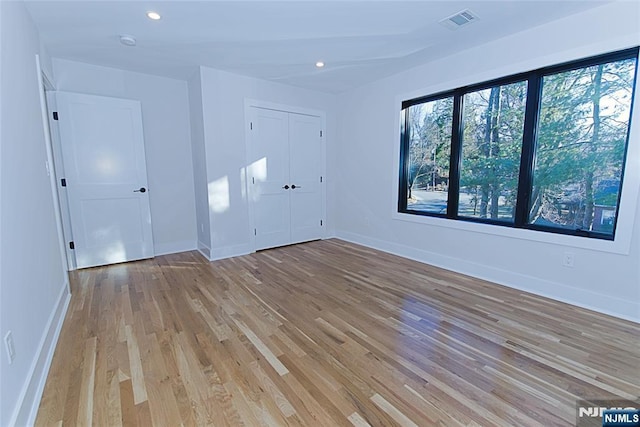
x: 204, y: 250
x: 230, y: 251
x: 31, y: 393
x: 600, y: 302
x: 174, y: 247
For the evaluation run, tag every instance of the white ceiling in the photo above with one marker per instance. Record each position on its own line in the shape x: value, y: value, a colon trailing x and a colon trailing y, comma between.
x: 360, y: 41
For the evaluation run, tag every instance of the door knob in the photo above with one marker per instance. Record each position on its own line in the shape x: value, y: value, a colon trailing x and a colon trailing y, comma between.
x: 141, y: 190
x: 293, y: 186
x: 286, y: 187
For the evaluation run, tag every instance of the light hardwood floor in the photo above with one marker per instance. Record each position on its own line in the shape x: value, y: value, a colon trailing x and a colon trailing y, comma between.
x: 325, y: 334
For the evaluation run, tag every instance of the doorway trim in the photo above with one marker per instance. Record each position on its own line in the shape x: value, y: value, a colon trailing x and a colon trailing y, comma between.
x: 45, y: 84
x: 250, y: 103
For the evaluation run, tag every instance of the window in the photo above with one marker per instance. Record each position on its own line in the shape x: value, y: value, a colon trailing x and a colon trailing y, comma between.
x: 582, y: 136
x: 429, y: 152
x: 493, y: 124
x: 543, y: 150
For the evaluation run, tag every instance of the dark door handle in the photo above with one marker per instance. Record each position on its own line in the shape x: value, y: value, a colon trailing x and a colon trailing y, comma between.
x: 293, y: 186
x: 141, y: 190
x: 286, y: 187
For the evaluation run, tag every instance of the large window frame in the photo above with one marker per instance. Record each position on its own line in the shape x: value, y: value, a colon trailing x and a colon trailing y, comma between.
x: 527, y: 161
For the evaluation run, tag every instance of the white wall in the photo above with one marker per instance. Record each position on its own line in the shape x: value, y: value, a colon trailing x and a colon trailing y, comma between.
x: 167, y: 140
x: 33, y: 282
x: 606, y: 275
x: 223, y: 101
x: 199, y: 164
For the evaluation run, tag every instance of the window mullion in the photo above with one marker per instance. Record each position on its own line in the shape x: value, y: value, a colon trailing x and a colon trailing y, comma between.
x: 404, y: 161
x: 456, y: 154
x: 525, y: 179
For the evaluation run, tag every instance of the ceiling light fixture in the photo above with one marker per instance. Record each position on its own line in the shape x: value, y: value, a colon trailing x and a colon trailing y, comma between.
x: 319, y: 64
x: 127, y: 40
x: 153, y: 15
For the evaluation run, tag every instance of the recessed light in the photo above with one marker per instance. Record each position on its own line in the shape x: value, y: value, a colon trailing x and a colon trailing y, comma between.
x: 319, y: 64
x: 153, y: 15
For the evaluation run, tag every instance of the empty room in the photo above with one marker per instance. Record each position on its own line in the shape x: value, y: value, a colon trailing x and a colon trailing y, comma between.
x: 319, y: 213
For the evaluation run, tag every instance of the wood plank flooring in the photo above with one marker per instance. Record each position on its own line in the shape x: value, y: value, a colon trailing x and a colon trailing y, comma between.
x: 325, y: 334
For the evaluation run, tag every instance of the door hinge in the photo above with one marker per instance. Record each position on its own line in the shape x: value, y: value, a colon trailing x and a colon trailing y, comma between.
x: 63, y: 182
x: 251, y: 125
x: 320, y: 223
x: 253, y: 180
x: 320, y: 180
x: 72, y: 245
x: 55, y: 115
x: 255, y: 232
x: 320, y: 134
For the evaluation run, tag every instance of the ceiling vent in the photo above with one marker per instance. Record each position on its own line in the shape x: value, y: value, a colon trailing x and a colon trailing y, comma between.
x: 460, y: 19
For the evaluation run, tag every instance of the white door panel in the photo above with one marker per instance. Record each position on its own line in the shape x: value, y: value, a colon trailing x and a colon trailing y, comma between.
x: 104, y: 160
x: 269, y: 172
x: 305, y: 171
x: 104, y: 153
x: 306, y: 208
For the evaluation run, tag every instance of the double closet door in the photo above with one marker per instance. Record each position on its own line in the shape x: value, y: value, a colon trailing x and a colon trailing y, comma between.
x: 285, y: 177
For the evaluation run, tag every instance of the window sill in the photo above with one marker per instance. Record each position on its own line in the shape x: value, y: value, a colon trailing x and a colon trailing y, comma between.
x: 620, y: 245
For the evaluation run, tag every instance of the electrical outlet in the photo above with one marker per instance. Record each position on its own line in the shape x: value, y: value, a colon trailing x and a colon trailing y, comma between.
x: 8, y: 345
x: 568, y: 259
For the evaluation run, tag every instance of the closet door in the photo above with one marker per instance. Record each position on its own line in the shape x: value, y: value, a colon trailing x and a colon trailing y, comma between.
x: 284, y: 177
x: 269, y: 177
x: 305, y: 174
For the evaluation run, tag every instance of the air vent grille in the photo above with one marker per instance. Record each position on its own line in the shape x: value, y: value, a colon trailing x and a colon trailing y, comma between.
x: 459, y: 19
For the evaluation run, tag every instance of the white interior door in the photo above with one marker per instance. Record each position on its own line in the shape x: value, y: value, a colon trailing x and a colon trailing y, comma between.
x: 106, y: 178
x: 285, y: 177
x: 305, y: 156
x: 270, y: 178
